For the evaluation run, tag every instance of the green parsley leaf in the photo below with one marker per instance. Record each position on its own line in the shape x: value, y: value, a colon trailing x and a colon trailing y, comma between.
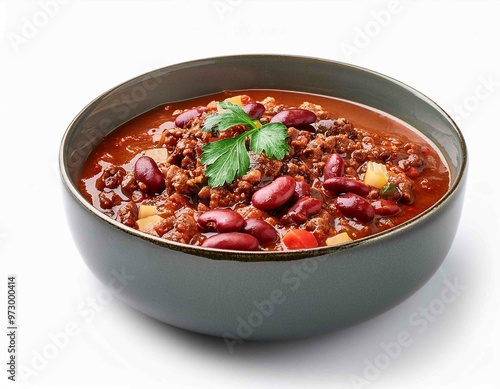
x: 228, y: 158
x: 270, y: 138
x: 232, y: 116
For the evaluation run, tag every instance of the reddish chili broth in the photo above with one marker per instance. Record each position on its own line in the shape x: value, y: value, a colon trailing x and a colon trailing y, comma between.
x: 359, y: 134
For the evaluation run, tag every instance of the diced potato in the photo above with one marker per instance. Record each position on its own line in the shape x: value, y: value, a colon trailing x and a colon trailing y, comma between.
x: 341, y: 238
x: 376, y: 175
x: 235, y: 100
x: 159, y: 155
x: 147, y: 210
x: 148, y: 223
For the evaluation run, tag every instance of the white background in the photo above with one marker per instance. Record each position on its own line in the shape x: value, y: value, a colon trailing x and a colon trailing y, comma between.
x: 58, y: 56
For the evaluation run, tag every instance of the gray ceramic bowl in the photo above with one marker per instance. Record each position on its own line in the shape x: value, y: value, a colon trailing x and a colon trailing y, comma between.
x: 262, y: 295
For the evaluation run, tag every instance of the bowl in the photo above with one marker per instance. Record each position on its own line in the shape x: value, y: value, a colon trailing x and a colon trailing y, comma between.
x: 262, y: 295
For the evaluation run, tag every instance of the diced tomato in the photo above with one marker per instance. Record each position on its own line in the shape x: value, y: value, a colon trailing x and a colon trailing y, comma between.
x: 299, y: 239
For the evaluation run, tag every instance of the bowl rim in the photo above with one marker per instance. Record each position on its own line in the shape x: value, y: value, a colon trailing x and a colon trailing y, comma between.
x: 263, y: 256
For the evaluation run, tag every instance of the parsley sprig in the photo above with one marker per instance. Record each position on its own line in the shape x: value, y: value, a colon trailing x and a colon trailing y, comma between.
x: 228, y: 158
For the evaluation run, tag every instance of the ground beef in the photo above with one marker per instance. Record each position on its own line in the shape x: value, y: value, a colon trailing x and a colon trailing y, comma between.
x: 413, y: 160
x: 222, y: 197
x: 111, y: 177
x: 177, y: 180
x: 268, y: 167
x: 127, y: 214
x: 405, y: 186
x: 108, y: 200
x: 183, y: 230
x: 129, y: 184
x: 313, y: 152
x: 321, y: 226
x: 320, y: 112
x: 164, y: 226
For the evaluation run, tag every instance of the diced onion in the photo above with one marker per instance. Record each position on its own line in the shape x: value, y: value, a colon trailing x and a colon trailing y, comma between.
x: 376, y: 175
x: 341, y: 238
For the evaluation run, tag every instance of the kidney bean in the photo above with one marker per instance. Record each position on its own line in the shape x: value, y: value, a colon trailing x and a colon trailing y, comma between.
x: 302, y: 189
x: 232, y: 241
x: 260, y: 229
x: 294, y: 117
x: 354, y: 206
x: 254, y: 110
x: 384, y: 207
x: 302, y: 209
x: 221, y: 220
x: 346, y: 185
x: 274, y: 194
x: 146, y: 171
x: 334, y: 167
x: 307, y: 205
x: 185, y: 117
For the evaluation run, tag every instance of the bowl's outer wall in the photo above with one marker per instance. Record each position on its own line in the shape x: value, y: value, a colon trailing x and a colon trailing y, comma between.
x: 214, y: 296
x: 263, y: 300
